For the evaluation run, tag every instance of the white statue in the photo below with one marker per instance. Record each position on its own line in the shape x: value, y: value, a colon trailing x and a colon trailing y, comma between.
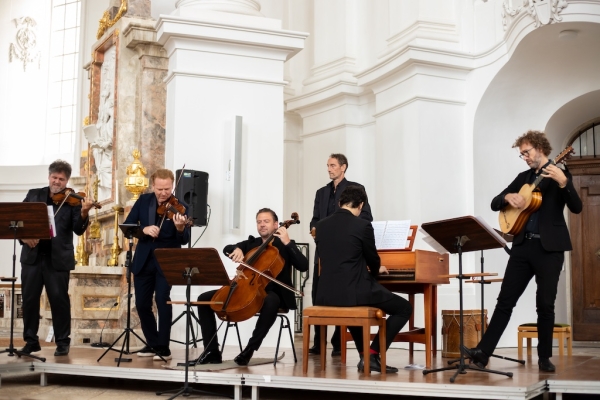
x: 100, y: 136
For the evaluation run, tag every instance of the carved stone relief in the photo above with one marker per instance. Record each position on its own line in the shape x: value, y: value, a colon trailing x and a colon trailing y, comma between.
x: 26, y: 47
x: 543, y: 12
x: 100, y: 135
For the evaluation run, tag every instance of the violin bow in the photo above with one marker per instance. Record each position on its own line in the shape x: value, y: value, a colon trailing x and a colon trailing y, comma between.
x: 68, y: 193
x: 172, y: 193
x: 299, y: 293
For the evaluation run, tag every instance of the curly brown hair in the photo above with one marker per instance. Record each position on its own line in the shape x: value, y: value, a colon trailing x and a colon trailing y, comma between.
x: 537, y: 139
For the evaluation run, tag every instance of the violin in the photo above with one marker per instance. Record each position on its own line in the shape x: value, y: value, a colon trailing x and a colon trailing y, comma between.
x: 72, y: 198
x: 245, y: 296
x: 171, y: 207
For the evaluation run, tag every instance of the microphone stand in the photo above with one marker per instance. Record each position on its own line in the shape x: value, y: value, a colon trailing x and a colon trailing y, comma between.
x: 101, y: 343
x: 128, y: 232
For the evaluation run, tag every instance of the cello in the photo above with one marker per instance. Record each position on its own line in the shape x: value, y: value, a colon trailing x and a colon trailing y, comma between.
x: 245, y: 295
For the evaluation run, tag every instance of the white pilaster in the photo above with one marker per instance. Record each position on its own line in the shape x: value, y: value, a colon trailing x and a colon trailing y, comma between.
x: 223, y: 65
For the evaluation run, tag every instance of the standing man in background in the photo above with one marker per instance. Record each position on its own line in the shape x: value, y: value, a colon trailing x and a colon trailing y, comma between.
x: 326, y: 203
x: 148, y: 276
x: 48, y: 263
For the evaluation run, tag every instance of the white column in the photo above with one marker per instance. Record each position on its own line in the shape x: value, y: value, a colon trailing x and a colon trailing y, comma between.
x: 223, y: 65
x: 248, y: 7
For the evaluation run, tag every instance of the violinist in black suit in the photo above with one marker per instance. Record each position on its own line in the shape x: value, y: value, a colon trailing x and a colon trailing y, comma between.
x: 349, y: 265
x: 277, y: 297
x: 327, y: 201
x: 161, y: 232
x: 537, y: 251
x: 48, y: 263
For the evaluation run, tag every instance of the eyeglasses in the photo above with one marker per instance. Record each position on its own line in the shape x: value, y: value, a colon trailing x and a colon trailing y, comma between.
x: 525, y: 153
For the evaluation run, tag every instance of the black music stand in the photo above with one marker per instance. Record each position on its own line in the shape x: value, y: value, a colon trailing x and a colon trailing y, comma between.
x: 195, y: 339
x: 460, y: 235
x: 26, y: 221
x: 483, y: 281
x: 129, y: 231
x: 187, y: 267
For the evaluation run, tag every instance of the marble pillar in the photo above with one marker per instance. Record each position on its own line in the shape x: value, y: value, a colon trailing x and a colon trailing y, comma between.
x: 139, y: 8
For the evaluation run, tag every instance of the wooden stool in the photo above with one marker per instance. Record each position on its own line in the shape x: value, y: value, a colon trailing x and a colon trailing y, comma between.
x: 366, y: 317
x: 561, y: 332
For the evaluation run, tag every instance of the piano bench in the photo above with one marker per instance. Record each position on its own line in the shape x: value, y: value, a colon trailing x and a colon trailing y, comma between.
x: 562, y: 332
x: 365, y: 317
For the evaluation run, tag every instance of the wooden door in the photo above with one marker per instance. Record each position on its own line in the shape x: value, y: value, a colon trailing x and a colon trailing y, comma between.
x: 585, y: 258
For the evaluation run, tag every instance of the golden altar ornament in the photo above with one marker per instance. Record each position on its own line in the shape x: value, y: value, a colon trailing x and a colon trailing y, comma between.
x: 136, y: 181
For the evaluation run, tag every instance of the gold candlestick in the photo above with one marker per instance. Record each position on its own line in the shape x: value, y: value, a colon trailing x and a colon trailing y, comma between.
x: 81, y: 256
x: 95, y: 226
x: 115, y: 249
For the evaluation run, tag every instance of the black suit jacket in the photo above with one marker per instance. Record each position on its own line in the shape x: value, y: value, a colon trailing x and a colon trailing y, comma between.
x: 68, y: 221
x: 322, y: 201
x: 552, y: 225
x: 346, y: 245
x: 292, y: 257
x: 143, y: 213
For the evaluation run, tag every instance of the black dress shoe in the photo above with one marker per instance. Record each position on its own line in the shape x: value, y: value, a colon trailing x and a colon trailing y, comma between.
x: 336, y: 352
x: 477, y: 356
x: 244, y: 357
x: 546, y: 365
x: 375, y: 366
x: 62, y: 350
x: 31, y: 348
x: 211, y: 357
x: 316, y: 350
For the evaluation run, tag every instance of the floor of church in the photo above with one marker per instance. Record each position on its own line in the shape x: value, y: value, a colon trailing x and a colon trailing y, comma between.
x: 103, y: 380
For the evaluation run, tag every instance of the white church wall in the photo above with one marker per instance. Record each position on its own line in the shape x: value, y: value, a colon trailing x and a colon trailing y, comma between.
x: 23, y: 90
x: 544, y: 74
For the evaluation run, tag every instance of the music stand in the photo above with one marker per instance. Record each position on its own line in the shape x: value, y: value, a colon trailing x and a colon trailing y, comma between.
x: 129, y: 231
x: 460, y: 235
x: 26, y: 221
x: 482, y: 282
x: 187, y: 267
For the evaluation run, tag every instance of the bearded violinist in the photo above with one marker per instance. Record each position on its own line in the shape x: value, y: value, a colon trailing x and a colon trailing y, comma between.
x: 160, y: 232
x: 48, y: 262
x: 277, y: 296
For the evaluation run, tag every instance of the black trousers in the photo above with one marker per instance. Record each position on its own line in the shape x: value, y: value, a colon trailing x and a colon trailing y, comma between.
x: 399, y: 311
x: 526, y: 261
x: 34, y: 278
x: 148, y: 282
x: 335, y: 338
x: 266, y: 319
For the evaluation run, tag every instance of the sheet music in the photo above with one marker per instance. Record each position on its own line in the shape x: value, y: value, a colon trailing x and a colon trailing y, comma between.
x: 379, y: 229
x: 492, y: 231
x: 394, y: 235
x: 434, y: 244
x: 51, y: 222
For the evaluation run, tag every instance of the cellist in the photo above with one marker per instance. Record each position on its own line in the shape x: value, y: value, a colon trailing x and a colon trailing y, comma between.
x: 277, y: 296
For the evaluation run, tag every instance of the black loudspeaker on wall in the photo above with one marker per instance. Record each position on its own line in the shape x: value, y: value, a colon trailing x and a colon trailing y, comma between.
x: 192, y: 189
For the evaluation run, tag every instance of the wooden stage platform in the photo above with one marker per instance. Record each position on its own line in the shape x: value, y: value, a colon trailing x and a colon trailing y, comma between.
x: 576, y: 374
